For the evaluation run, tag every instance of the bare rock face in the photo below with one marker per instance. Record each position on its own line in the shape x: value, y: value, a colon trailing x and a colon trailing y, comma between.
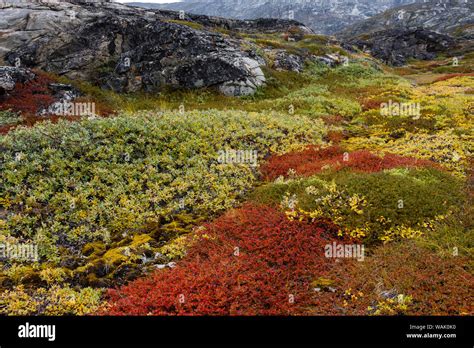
x: 395, y: 46
x: 323, y: 16
x: 450, y: 17
x: 124, y: 49
x: 418, y: 31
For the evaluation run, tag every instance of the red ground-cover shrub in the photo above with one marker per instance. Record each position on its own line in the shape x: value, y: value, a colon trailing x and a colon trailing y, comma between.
x: 313, y: 160
x: 335, y: 137
x: 438, y: 285
x: 277, y: 261
x: 5, y: 129
x: 370, y: 104
x: 27, y: 98
x: 30, y: 97
x: 450, y: 76
x: 333, y: 120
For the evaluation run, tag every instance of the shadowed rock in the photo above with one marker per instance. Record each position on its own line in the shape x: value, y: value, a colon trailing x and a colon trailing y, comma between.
x: 124, y: 49
x: 396, y: 46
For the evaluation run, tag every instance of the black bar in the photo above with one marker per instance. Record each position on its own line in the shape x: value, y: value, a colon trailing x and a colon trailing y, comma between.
x: 163, y: 331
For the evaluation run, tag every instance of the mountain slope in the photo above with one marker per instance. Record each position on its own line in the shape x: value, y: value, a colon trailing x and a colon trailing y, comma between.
x: 419, y: 31
x: 454, y: 17
x: 323, y: 16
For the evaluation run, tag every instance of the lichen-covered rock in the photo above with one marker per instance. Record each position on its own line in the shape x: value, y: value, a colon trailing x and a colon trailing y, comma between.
x: 287, y: 61
x: 244, y: 87
x: 330, y: 60
x: 395, y: 46
x: 125, y: 49
x: 9, y: 76
x: 418, y: 31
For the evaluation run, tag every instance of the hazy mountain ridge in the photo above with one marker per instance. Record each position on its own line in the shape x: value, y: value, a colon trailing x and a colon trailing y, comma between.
x: 454, y: 17
x: 323, y: 16
x: 419, y: 31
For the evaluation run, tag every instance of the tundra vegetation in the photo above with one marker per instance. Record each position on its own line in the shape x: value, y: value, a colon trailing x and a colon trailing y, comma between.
x: 133, y: 214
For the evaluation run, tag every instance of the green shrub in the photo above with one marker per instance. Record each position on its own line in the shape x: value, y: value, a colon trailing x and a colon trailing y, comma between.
x: 454, y: 235
x: 50, y: 301
x: 194, y: 25
x: 8, y: 118
x: 68, y: 184
x: 383, y: 206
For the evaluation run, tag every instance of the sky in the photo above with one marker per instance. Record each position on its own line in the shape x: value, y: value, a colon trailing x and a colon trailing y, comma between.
x: 155, y: 1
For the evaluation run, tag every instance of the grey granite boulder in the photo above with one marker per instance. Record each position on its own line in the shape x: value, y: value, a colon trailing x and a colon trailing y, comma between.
x: 124, y: 49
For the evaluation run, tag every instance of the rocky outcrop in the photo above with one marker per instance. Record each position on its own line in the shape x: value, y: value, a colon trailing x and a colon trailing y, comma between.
x: 418, y: 31
x: 287, y: 61
x: 61, y: 93
x: 323, y: 16
x: 330, y: 60
x: 126, y: 49
x: 396, y: 46
x: 27, y: 87
x: 258, y: 25
x: 451, y: 17
x: 10, y: 76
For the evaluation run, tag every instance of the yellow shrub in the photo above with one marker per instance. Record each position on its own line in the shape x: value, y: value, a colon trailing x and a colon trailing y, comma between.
x: 52, y: 301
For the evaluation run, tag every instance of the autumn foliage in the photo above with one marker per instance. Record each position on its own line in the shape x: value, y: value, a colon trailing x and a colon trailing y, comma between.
x: 29, y: 97
x: 251, y: 261
x: 438, y: 286
x: 32, y: 98
x: 314, y: 159
x: 450, y: 76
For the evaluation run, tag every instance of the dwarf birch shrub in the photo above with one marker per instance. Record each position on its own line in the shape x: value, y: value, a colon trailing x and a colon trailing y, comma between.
x: 70, y: 183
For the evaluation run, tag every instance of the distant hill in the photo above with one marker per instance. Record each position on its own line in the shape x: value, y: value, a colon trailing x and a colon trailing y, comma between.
x: 323, y: 16
x: 419, y: 31
x: 453, y: 17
